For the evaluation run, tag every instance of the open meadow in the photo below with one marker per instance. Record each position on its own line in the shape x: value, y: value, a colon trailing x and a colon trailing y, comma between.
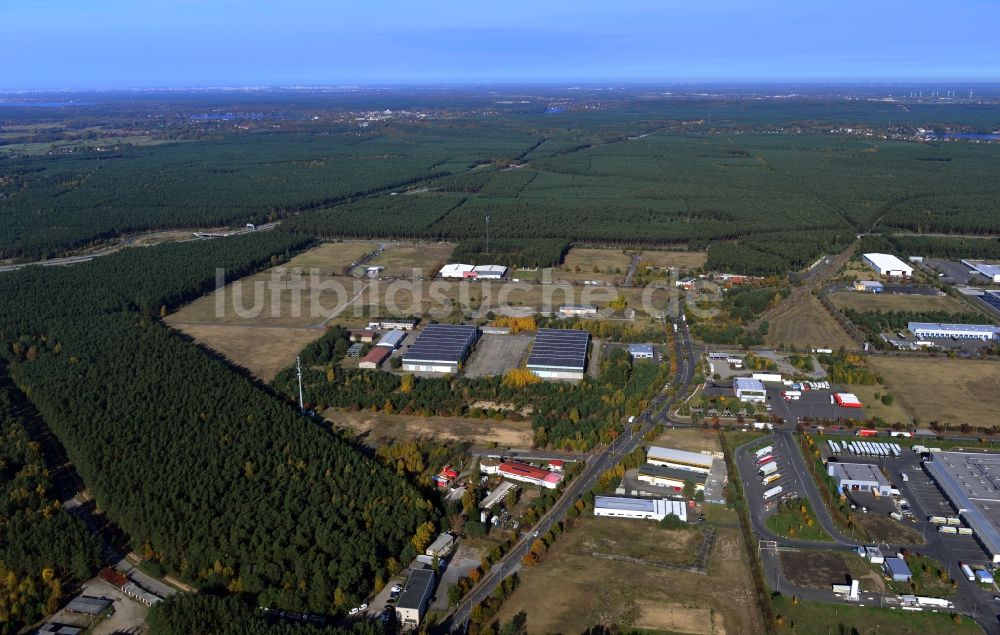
x: 690, y: 439
x: 585, y: 263
x: 807, y: 325
x: 940, y: 389
x: 400, y: 260
x: 572, y: 589
x: 894, y: 302
x: 264, y: 351
x: 682, y: 260
x: 817, y: 617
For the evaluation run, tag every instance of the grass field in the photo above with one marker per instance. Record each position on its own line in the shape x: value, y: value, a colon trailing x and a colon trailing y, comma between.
x: 571, y: 590
x: 400, y: 260
x: 892, y: 302
x: 945, y: 390
x: 331, y: 258
x: 895, y: 413
x: 262, y: 351
x: 791, y: 521
x: 690, y: 439
x: 377, y: 428
x: 807, y: 325
x: 836, y: 619
x: 683, y: 260
x: 611, y: 264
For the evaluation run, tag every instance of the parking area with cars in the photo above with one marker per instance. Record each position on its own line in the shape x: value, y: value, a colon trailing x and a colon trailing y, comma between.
x: 759, y: 478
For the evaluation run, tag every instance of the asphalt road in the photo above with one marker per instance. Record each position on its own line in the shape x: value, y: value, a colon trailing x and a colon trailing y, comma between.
x: 599, y: 462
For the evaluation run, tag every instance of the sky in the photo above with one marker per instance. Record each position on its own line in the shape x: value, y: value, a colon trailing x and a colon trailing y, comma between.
x: 106, y: 44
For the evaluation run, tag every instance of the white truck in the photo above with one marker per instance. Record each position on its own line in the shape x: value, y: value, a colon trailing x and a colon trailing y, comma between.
x: 764, y: 450
x: 771, y: 493
x: 768, y: 469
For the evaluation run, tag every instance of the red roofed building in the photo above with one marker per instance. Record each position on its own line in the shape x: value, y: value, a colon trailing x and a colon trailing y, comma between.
x: 375, y: 357
x: 530, y: 474
x: 847, y: 400
x: 112, y: 577
x: 556, y: 465
x: 446, y: 476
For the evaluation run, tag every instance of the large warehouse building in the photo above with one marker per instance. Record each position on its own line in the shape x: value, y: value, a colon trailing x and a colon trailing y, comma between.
x: 888, y: 265
x: 679, y: 459
x: 673, y: 478
x: 526, y: 473
x: 417, y: 591
x: 859, y: 477
x: 646, y: 508
x: 932, y: 331
x: 992, y: 272
x: 971, y: 481
x: 440, y: 348
x: 559, y: 354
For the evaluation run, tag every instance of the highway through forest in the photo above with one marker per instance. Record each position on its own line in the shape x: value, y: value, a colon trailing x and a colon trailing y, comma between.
x: 599, y: 462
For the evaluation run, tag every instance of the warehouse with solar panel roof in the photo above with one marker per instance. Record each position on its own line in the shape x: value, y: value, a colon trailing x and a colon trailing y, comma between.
x: 440, y: 348
x: 559, y: 354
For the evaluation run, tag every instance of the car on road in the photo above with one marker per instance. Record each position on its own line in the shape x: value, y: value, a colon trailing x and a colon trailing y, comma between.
x: 535, y: 534
x: 354, y: 611
x: 395, y: 589
x: 363, y: 606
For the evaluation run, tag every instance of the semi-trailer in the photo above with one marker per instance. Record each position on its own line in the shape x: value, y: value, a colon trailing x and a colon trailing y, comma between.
x: 764, y: 460
x: 764, y: 450
x: 937, y: 520
x: 955, y: 521
x: 770, y: 479
x: 965, y: 531
x: 947, y: 530
x: 967, y: 570
x: 771, y: 493
x: 867, y: 433
x: 767, y: 469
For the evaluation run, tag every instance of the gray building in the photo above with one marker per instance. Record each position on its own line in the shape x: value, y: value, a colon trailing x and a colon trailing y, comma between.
x: 896, y: 570
x: 971, y: 481
x: 417, y: 592
x: 859, y: 477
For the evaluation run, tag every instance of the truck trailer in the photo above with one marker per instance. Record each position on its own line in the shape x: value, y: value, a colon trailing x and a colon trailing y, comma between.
x: 768, y: 469
x: 770, y: 479
x: 764, y: 450
x: 771, y: 493
x: 967, y: 570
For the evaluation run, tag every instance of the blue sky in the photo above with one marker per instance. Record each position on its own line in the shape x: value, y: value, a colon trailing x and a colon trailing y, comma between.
x: 152, y: 43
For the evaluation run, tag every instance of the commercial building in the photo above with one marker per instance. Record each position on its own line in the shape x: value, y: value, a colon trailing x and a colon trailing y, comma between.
x: 392, y: 339
x: 354, y: 350
x: 389, y: 323
x: 455, y: 270
x: 578, y: 310
x: 888, y: 265
x: 662, y: 476
x: 88, y: 605
x: 525, y: 473
x: 971, y: 482
x: 442, y: 546
x: 440, y: 348
x: 640, y: 351
x: 769, y: 377
x: 374, y: 358
x: 644, y: 508
x: 992, y: 272
x: 363, y: 335
x: 412, y: 602
x: 930, y: 330
x: 445, y: 477
x: 559, y: 354
x: 859, y: 477
x: 751, y: 390
x: 680, y: 459
x: 896, y: 570
x: 489, y: 272
x: 868, y: 286
x: 846, y: 400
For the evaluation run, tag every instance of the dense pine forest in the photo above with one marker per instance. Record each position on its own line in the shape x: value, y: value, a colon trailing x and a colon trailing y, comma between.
x: 212, y: 477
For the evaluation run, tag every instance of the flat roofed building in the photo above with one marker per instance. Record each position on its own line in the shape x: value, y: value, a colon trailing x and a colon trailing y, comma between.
x: 497, y: 495
x: 389, y: 323
x: 455, y: 270
x: 640, y: 351
x: 888, y: 265
x: 354, y: 350
x: 897, y: 570
x: 931, y: 330
x: 971, y: 482
x: 680, y: 459
x: 992, y: 272
x: 440, y: 348
x: 441, y: 546
x: 643, y: 508
x: 751, y: 390
x: 88, y: 605
x: 374, y: 358
x: 662, y: 476
x: 559, y: 353
x: 868, y: 286
x: 489, y: 272
x: 392, y: 339
x: 363, y: 335
x: 859, y: 477
x: 412, y: 602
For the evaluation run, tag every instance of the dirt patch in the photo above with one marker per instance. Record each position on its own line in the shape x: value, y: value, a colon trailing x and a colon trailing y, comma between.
x: 378, y: 428
x: 261, y: 350
x: 815, y: 570
x: 677, y: 619
x: 692, y: 440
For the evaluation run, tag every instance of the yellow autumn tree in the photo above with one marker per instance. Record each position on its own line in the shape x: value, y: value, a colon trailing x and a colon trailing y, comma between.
x: 520, y: 377
x: 423, y: 536
x: 406, y: 384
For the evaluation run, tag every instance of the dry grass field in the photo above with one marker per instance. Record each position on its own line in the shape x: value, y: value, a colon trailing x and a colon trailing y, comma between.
x: 683, y: 260
x: 400, y: 260
x: 611, y: 264
x: 807, y: 325
x: 331, y: 258
x: 690, y: 439
x: 892, y: 302
x: 896, y: 413
x: 262, y: 351
x: 571, y: 590
x: 941, y: 389
x: 377, y: 428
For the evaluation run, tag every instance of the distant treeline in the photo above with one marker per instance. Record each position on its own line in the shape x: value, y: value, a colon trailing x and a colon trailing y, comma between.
x: 948, y: 247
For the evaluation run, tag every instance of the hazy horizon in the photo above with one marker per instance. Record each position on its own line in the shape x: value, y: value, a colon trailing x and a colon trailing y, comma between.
x: 58, y: 44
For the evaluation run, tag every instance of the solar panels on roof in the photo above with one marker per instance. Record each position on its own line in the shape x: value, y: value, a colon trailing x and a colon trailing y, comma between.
x: 559, y: 348
x: 449, y: 343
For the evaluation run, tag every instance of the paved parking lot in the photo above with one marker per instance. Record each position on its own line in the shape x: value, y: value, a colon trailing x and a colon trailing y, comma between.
x: 813, y: 404
x: 788, y: 479
x: 952, y: 270
x: 496, y: 354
